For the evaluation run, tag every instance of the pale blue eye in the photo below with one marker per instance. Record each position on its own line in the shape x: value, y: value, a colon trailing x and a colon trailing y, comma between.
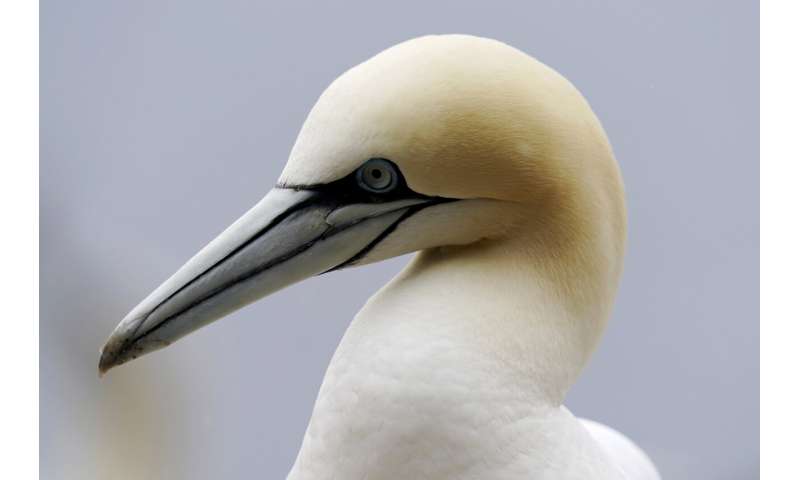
x: 377, y: 175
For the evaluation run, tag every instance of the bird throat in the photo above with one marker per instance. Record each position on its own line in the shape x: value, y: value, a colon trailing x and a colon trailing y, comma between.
x: 467, y: 349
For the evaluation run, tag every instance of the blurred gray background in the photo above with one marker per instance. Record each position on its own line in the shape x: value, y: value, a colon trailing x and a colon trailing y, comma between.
x: 162, y: 121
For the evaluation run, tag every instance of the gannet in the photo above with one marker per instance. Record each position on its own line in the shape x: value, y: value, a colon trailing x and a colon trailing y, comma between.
x: 492, y: 167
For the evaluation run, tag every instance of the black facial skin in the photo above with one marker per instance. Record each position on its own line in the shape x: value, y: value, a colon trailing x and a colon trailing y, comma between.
x: 347, y: 190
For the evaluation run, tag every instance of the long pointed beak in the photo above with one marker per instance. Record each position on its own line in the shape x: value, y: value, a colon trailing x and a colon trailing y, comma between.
x: 288, y: 236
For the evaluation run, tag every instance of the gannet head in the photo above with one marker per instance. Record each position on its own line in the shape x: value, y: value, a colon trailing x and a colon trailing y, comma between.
x: 438, y: 141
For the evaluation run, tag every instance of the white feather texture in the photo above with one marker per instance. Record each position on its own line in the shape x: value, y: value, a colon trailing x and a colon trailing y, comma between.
x: 458, y: 368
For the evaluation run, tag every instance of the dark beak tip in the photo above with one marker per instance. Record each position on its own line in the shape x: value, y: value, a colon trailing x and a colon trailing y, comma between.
x: 121, y: 349
x: 111, y: 354
x: 108, y: 359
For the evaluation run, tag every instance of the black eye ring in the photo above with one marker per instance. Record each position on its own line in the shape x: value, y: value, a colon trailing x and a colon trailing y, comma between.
x: 377, y: 175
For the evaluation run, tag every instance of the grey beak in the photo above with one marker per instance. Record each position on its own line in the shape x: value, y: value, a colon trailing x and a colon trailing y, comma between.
x: 288, y: 236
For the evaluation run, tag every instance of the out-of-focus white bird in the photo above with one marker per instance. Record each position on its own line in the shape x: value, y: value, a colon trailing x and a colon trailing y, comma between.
x: 495, y: 168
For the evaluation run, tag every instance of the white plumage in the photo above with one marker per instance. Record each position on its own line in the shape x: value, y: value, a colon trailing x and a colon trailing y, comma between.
x: 457, y: 369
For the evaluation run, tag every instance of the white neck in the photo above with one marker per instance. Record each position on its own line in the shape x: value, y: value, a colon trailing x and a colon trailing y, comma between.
x: 457, y: 369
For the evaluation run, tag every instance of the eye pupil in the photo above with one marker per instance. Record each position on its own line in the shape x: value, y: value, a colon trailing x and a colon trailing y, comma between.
x: 376, y: 173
